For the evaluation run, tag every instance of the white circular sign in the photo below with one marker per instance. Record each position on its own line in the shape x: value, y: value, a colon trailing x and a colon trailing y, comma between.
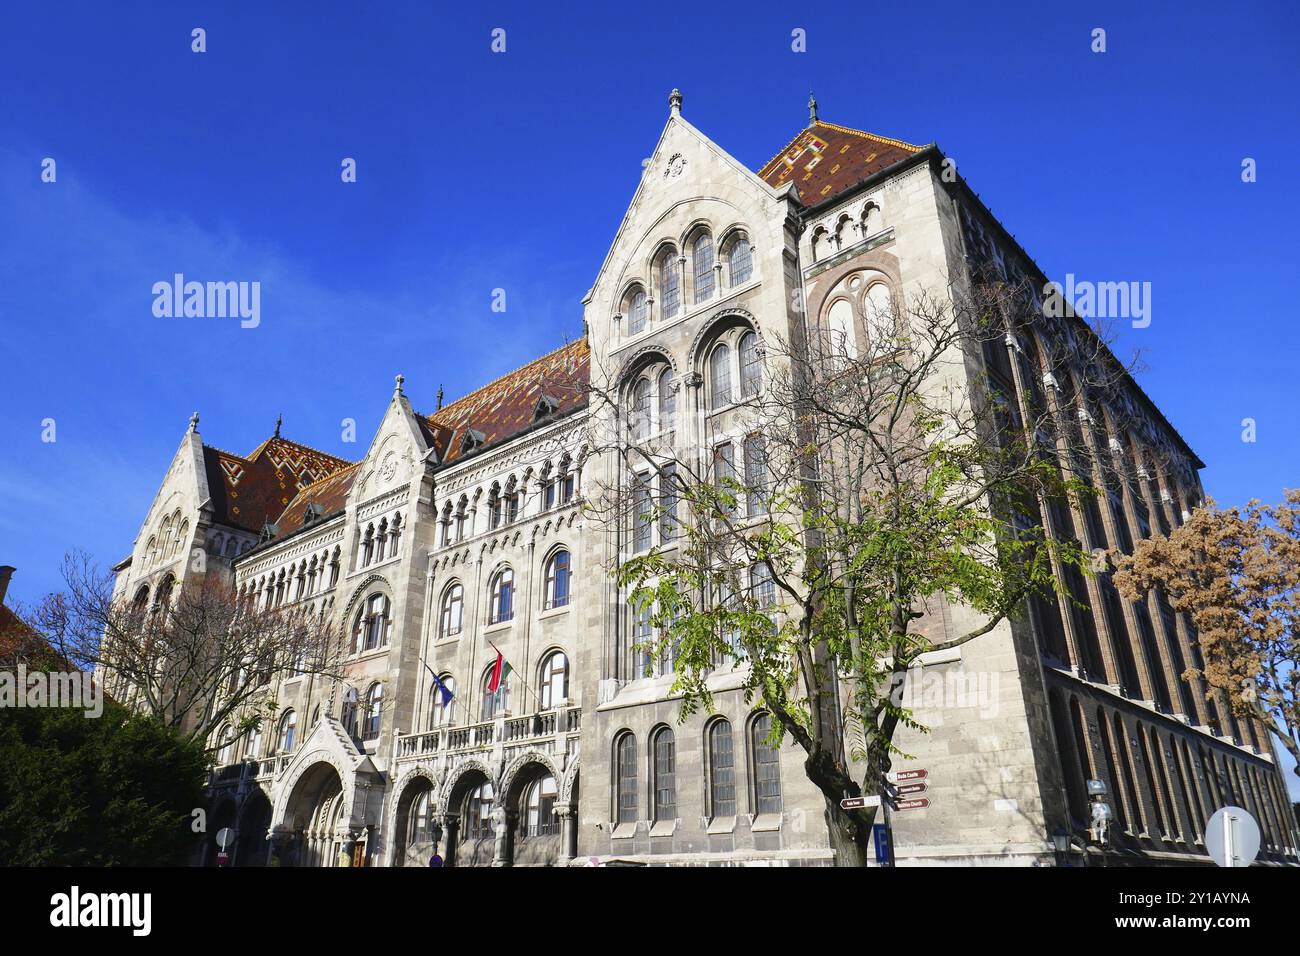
x: 223, y: 837
x: 1232, y: 837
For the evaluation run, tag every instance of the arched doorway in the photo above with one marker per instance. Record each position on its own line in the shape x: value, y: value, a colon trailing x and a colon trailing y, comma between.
x: 532, y: 801
x: 315, y: 811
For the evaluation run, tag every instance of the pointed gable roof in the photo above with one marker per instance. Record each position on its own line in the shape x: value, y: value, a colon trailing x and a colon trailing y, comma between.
x: 248, y: 491
x: 508, y: 406
x: 825, y: 160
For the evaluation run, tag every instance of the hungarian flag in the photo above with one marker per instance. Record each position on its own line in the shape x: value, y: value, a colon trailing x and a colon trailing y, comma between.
x: 500, y: 672
x: 444, y: 690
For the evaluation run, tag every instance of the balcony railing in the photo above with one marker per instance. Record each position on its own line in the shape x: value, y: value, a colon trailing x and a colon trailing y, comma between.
x: 552, y: 731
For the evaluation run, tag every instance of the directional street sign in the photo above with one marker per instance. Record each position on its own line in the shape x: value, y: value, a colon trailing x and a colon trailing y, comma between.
x: 902, y: 776
x: 857, y: 803
x: 905, y: 788
x: 912, y: 804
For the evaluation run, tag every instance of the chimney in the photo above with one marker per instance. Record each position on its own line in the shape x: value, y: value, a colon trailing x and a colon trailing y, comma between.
x: 6, y: 572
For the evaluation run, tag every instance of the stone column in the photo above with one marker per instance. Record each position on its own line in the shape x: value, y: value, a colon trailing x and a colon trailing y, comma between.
x: 568, y: 833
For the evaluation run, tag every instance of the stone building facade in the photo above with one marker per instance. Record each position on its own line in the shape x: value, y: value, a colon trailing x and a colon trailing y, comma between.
x: 461, y: 535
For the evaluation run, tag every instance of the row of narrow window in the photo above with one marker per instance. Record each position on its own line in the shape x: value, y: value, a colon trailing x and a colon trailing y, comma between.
x: 506, y: 505
x: 720, y: 772
x: 294, y: 583
x: 380, y: 542
x: 737, y: 265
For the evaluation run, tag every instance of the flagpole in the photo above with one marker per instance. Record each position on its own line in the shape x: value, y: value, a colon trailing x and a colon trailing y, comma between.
x: 525, y: 684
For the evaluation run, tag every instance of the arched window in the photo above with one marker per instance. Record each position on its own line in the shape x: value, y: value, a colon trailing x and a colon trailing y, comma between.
x: 374, y: 712
x: 751, y: 367
x: 374, y: 622
x: 767, y: 766
x: 555, y: 680
x: 722, y: 770
x: 254, y: 749
x: 872, y: 221
x: 639, y: 416
x: 667, y: 401
x: 478, y: 812
x: 702, y: 257
x: 141, y: 600
x: 670, y: 291
x: 503, y: 596
x: 625, y: 777
x: 368, y: 546
x: 498, y: 702
x: 880, y: 315
x: 720, y: 376
x: 557, y: 579
x: 638, y: 311
x: 288, y: 728
x: 665, y: 775
x: 348, y: 712
x: 453, y: 610
x: 539, y: 807
x: 418, y: 829
x: 740, y: 261
x: 442, y: 707
x: 225, y: 747
x: 840, y: 327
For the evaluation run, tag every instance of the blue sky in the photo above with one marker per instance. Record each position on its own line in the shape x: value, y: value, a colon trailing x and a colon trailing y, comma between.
x: 479, y: 170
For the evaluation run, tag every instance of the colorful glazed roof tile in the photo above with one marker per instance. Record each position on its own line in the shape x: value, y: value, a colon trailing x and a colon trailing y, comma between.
x: 547, y: 387
x: 825, y: 160
x: 329, y: 494
x: 247, y: 492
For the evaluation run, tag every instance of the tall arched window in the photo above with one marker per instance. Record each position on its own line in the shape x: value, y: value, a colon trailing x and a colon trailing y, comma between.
x: 496, y: 703
x: 722, y: 770
x: 557, y: 579
x: 374, y: 712
x: 625, y: 777
x: 368, y: 546
x: 503, y: 597
x: 638, y: 311
x: 254, y: 749
x: 225, y: 747
x: 442, y: 707
x: 720, y: 376
x: 702, y: 258
x: 667, y: 401
x: 639, y: 415
x: 453, y: 610
x: 670, y: 290
x: 478, y: 812
x: 740, y: 261
x: 288, y: 729
x: 840, y: 329
x: 555, y: 680
x: 539, y: 807
x: 348, y: 712
x: 374, y: 622
x: 767, y: 767
x: 880, y: 315
x: 418, y: 829
x: 665, y: 775
x: 751, y: 367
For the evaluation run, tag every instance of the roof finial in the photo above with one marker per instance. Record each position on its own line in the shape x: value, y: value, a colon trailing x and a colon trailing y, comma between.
x: 675, y: 102
x: 279, y: 420
x: 399, y: 379
x: 812, y: 110
x: 439, y: 398
x: 194, y: 422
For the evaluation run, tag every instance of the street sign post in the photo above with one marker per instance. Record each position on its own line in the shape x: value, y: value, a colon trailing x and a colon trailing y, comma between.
x: 912, y: 804
x: 906, y: 788
x: 1232, y: 837
x: 903, y: 776
x: 858, y: 803
x: 884, y: 849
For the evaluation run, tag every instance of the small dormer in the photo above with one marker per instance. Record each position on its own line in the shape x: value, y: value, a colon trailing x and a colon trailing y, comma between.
x: 472, y: 440
x: 313, y: 512
x: 547, y: 405
x: 270, y: 531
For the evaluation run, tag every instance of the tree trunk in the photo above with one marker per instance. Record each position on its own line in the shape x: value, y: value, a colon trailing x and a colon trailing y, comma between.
x: 849, y: 830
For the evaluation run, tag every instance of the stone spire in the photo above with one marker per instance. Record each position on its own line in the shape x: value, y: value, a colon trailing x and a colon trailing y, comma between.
x: 279, y: 420
x: 439, y: 398
x: 675, y: 102
x: 194, y: 422
x: 399, y: 379
x: 812, y: 110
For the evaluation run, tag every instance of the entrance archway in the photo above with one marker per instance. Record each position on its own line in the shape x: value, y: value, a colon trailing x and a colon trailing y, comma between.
x: 417, y: 828
x: 254, y: 820
x: 314, y: 812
